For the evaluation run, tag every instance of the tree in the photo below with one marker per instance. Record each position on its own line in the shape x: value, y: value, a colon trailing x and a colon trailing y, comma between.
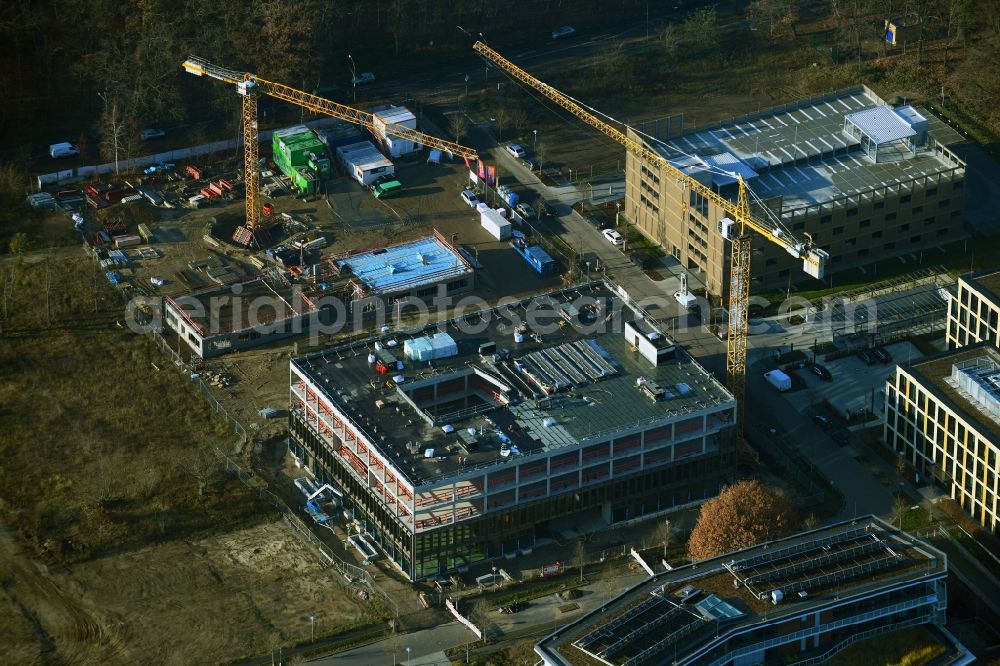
x: 480, y: 616
x: 774, y: 16
x: 900, y: 504
x: 664, y: 534
x: 19, y: 244
x: 671, y: 39
x: 580, y: 556
x: 458, y: 125
x: 502, y: 116
x: 699, y: 28
x: 744, y: 514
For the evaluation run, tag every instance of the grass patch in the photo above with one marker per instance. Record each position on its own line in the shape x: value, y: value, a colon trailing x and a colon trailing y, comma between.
x: 102, y: 453
x: 914, y: 646
x: 976, y: 549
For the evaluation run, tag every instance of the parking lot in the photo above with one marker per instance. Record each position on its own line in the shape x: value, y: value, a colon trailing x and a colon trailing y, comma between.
x: 855, y: 386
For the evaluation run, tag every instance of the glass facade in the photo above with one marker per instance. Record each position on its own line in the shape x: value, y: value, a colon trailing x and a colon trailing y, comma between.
x: 513, y: 529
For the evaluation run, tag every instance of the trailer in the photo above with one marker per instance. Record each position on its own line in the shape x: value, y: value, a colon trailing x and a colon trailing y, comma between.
x: 778, y: 380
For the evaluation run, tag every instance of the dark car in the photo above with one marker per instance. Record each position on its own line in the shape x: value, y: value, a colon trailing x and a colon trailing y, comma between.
x: 547, y: 209
x: 867, y: 357
x: 822, y: 422
x: 841, y: 437
x: 882, y: 354
x: 821, y: 372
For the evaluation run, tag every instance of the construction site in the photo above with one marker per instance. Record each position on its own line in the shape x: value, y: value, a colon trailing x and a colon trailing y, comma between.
x: 422, y: 376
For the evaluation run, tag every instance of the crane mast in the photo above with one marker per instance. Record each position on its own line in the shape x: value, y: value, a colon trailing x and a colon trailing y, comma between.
x: 249, y: 86
x: 736, y: 230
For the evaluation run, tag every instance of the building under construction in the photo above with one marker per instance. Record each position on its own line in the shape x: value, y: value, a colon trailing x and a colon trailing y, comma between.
x: 480, y: 437
x: 862, y: 179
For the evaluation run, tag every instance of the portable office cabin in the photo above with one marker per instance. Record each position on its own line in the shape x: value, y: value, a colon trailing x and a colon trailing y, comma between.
x: 363, y: 162
x: 495, y: 224
x: 395, y: 115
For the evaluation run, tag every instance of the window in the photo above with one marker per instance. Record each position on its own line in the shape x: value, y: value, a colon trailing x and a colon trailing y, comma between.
x: 771, y: 262
x: 837, y: 258
x: 852, y: 212
x: 932, y: 191
x: 904, y: 227
x: 928, y: 221
x: 944, y: 203
x: 783, y: 272
x: 957, y: 185
x: 917, y: 210
x: 956, y: 213
x: 942, y: 232
x: 889, y: 217
x: 877, y: 234
x: 864, y: 223
x: 915, y: 239
x: 863, y: 252
x: 826, y: 219
x: 888, y: 246
x: 904, y: 199
x: 879, y: 205
x: 838, y: 231
x: 798, y: 226
x: 851, y: 242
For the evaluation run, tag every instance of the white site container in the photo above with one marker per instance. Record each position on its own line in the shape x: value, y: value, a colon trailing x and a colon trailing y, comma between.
x: 495, y: 224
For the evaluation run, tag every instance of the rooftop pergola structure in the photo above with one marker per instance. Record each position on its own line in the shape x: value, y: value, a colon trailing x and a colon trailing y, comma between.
x: 884, y: 126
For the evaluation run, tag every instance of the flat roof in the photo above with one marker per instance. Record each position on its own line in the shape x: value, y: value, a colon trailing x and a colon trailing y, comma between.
x: 591, y: 354
x: 936, y: 371
x: 802, y: 154
x: 394, y: 114
x: 406, y: 266
x: 268, y: 299
x: 987, y: 281
x: 688, y: 609
x: 364, y: 155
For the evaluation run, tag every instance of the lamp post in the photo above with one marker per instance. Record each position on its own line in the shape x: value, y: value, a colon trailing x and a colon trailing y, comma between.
x: 534, y: 142
x: 618, y: 212
x: 408, y: 655
x: 312, y: 622
x: 354, y: 77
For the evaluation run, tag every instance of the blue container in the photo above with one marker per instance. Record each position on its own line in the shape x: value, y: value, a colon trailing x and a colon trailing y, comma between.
x: 512, y: 199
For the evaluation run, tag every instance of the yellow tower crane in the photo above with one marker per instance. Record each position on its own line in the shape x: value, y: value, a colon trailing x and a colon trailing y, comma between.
x: 250, y: 85
x: 735, y: 228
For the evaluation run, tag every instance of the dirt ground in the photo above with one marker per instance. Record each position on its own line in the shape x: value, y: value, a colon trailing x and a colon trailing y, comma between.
x: 203, y: 601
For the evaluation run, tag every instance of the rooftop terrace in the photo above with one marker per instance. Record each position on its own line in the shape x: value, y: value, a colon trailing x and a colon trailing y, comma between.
x: 571, y: 379
x: 687, y: 609
x: 801, y: 153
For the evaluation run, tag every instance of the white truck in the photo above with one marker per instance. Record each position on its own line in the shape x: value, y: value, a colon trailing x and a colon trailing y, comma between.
x: 778, y: 380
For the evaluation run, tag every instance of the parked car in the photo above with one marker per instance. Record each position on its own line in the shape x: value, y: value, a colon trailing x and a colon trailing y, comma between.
x: 882, y: 354
x: 564, y: 31
x: 363, y: 78
x: 821, y: 372
x: 613, y: 237
x: 822, y: 422
x: 841, y: 437
x: 515, y: 150
x: 529, y: 165
x: 151, y: 133
x: 867, y: 357
x: 525, y: 211
x: 547, y: 209
x: 64, y: 149
x: 469, y: 197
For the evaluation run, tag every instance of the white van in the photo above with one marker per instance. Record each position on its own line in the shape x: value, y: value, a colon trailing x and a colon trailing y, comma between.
x: 64, y: 149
